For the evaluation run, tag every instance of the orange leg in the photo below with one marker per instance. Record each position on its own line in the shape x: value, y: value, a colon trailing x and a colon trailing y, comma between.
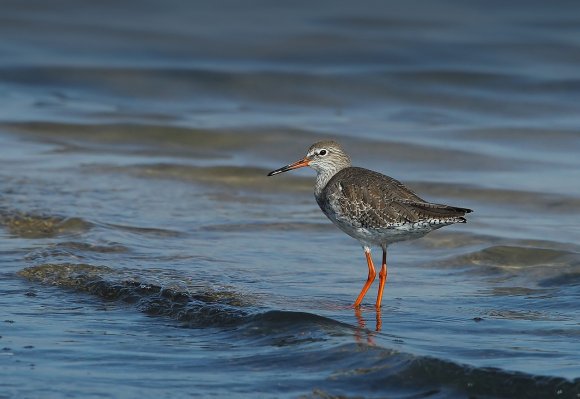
x: 379, y: 321
x: 382, y: 279
x: 370, y: 279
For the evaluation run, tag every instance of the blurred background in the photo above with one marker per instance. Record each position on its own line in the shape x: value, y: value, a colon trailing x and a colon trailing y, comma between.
x: 144, y: 252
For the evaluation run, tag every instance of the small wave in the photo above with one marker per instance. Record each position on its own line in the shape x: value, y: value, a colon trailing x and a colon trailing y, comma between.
x: 29, y: 225
x: 523, y: 257
x: 518, y: 257
x: 191, y: 302
x: 164, y: 139
x: 486, y: 381
x: 196, y: 305
x: 369, y: 370
x: 415, y: 376
x: 87, y: 247
x: 247, y: 178
x: 541, y: 267
x: 277, y: 328
x: 149, y: 231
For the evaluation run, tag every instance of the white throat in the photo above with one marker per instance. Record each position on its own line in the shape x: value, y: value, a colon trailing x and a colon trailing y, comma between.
x: 323, y: 176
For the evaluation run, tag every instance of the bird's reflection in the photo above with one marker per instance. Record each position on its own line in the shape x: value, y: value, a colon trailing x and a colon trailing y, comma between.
x: 362, y: 326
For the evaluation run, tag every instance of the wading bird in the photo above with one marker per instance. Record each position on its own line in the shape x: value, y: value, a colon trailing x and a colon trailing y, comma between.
x: 375, y: 209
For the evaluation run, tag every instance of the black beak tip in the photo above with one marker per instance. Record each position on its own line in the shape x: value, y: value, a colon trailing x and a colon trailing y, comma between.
x: 274, y: 172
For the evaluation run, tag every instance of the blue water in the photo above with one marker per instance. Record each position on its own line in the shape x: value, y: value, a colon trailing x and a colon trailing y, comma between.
x: 144, y: 252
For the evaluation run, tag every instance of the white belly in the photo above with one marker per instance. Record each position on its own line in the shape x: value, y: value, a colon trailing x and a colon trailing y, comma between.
x: 388, y: 235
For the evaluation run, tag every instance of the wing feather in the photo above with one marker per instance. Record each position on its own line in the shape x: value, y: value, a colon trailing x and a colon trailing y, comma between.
x: 372, y: 200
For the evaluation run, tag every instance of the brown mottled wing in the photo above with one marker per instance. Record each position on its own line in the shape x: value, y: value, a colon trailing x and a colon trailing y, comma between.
x: 372, y: 200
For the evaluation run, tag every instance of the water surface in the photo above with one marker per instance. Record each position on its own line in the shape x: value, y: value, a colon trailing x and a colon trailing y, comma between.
x: 144, y: 252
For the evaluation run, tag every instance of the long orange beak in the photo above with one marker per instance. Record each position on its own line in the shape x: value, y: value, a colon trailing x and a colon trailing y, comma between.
x: 298, y: 164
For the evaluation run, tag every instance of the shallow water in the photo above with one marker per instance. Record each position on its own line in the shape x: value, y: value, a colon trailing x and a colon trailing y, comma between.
x: 144, y: 252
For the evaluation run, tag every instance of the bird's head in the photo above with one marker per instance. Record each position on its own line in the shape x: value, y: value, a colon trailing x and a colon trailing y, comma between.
x: 323, y: 156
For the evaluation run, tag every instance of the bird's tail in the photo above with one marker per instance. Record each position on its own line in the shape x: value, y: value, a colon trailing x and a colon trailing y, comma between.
x: 444, y: 212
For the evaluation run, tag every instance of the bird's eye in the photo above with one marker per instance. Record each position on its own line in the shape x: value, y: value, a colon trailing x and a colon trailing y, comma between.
x: 322, y: 152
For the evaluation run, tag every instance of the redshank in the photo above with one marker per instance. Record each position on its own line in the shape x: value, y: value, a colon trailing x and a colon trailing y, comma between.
x: 375, y: 209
